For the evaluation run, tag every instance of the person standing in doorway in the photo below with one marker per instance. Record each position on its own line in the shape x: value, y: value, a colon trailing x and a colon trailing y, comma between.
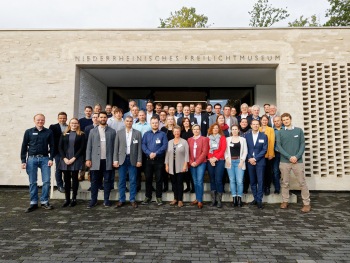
x: 127, y: 157
x: 192, y: 108
x: 131, y: 105
x: 154, y: 145
x: 37, y: 152
x: 209, y: 110
x: 244, y: 112
x: 179, y: 108
x: 108, y: 109
x: 71, y: 148
x: 86, y: 121
x: 291, y: 145
x: 257, y: 143
x: 57, y: 130
x: 99, y: 158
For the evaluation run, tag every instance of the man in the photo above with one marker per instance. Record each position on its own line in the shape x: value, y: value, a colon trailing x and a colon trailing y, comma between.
x: 244, y: 112
x: 273, y: 114
x: 229, y: 120
x: 276, y: 161
x: 267, y: 109
x: 150, y: 113
x: 201, y: 119
x: 192, y: 108
x: 154, y: 145
x: 86, y: 121
x: 57, y: 130
x: 117, y: 122
x: 134, y: 114
x: 108, y: 109
x: 257, y: 148
x: 131, y: 105
x: 166, y: 109
x: 187, y: 113
x: 38, y: 143
x: 142, y: 126
x: 97, y: 108
x: 250, y: 110
x: 162, y: 119
x: 179, y: 108
x: 172, y: 113
x: 212, y: 118
x: 291, y: 145
x: 209, y: 110
x: 254, y: 115
x: 158, y: 108
x: 233, y: 112
x: 127, y: 156
x: 99, y: 158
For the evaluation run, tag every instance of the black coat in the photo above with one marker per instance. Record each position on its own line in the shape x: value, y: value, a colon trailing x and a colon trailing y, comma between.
x: 204, y: 123
x: 79, y: 145
x: 87, y: 132
x: 56, y: 130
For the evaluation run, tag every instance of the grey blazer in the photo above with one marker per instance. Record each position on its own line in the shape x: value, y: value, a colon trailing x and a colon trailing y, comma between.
x: 93, y: 150
x: 212, y: 119
x: 182, y: 155
x: 233, y: 121
x: 135, y: 147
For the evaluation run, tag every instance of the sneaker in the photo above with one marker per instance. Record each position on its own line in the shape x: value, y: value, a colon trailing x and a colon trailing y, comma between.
x: 101, y: 188
x: 61, y: 190
x: 159, y: 201
x: 147, y: 201
x: 47, y: 206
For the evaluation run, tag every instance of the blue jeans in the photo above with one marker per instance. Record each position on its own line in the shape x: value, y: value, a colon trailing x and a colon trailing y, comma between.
x: 198, y: 175
x: 58, y: 172
x: 236, y: 177
x: 276, y: 171
x: 126, y: 166
x: 216, y: 173
x: 96, y: 176
x: 33, y: 164
x: 256, y: 175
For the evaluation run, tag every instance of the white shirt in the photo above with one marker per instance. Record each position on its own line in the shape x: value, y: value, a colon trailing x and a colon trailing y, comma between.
x: 255, y: 137
x: 149, y: 116
x: 128, y: 140
x: 244, y: 116
x: 195, y: 146
x: 290, y: 128
x: 271, y: 118
x: 228, y: 121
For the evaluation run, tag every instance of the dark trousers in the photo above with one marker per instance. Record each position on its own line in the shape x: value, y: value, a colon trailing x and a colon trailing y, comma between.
x: 215, y: 174
x: 189, y: 180
x: 276, y: 171
x: 68, y: 176
x: 224, y: 178
x: 246, y: 179
x: 177, y: 181
x: 96, y: 176
x: 156, y: 166
x: 256, y: 174
x: 268, y: 173
x: 140, y: 170
x: 165, y: 179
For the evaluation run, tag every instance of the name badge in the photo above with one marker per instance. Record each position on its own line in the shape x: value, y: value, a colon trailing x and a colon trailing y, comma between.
x: 296, y: 135
x: 135, y: 141
x: 103, y: 139
x: 261, y: 141
x: 192, y: 123
x: 215, y: 145
x: 231, y: 144
x: 204, y: 122
x: 35, y: 133
x: 67, y: 133
x: 180, y: 145
x: 195, y: 146
x: 157, y: 141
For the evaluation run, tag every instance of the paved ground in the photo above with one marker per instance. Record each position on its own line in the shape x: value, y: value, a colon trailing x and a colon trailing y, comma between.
x: 167, y: 234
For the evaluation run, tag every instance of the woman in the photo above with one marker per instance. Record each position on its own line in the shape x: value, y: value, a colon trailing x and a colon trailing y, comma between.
x: 270, y: 154
x: 176, y: 164
x: 198, y: 146
x: 235, y: 155
x: 216, y: 164
x: 244, y: 128
x: 186, y: 133
x: 71, y: 148
x: 220, y: 119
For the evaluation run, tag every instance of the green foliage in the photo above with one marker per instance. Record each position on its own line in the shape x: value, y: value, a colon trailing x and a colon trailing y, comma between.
x: 186, y: 17
x: 339, y: 13
x: 264, y: 15
x: 304, y: 22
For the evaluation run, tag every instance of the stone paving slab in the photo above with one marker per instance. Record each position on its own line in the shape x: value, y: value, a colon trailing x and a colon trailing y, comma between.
x: 170, y: 234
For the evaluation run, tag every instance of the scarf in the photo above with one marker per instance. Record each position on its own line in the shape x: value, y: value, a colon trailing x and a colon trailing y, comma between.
x: 245, y: 129
x: 224, y: 127
x: 212, y: 141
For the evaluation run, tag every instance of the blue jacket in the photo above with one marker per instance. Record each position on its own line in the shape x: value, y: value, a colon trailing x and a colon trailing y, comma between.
x: 154, y: 142
x: 259, y: 149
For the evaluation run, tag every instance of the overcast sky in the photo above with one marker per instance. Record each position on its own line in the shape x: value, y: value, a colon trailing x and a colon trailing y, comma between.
x: 140, y: 13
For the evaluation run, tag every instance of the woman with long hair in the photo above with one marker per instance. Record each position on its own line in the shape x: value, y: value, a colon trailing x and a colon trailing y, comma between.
x: 220, y: 119
x: 216, y: 162
x: 71, y: 148
x: 186, y: 133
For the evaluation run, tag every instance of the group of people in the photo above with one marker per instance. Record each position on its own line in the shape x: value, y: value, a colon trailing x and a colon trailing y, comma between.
x: 182, y: 142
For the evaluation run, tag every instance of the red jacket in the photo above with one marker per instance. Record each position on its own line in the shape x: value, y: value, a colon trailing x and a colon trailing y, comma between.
x: 219, y: 153
x: 201, y: 151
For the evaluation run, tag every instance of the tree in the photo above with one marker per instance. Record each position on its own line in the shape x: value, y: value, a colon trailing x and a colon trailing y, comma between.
x: 264, y: 15
x: 186, y: 17
x: 339, y: 13
x: 305, y: 22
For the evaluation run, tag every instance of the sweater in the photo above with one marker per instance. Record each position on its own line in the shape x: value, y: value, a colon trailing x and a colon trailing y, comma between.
x: 219, y: 153
x: 84, y: 122
x: 270, y: 140
x: 291, y: 143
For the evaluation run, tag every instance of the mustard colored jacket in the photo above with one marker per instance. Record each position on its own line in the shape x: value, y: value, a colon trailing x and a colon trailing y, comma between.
x: 271, y: 141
